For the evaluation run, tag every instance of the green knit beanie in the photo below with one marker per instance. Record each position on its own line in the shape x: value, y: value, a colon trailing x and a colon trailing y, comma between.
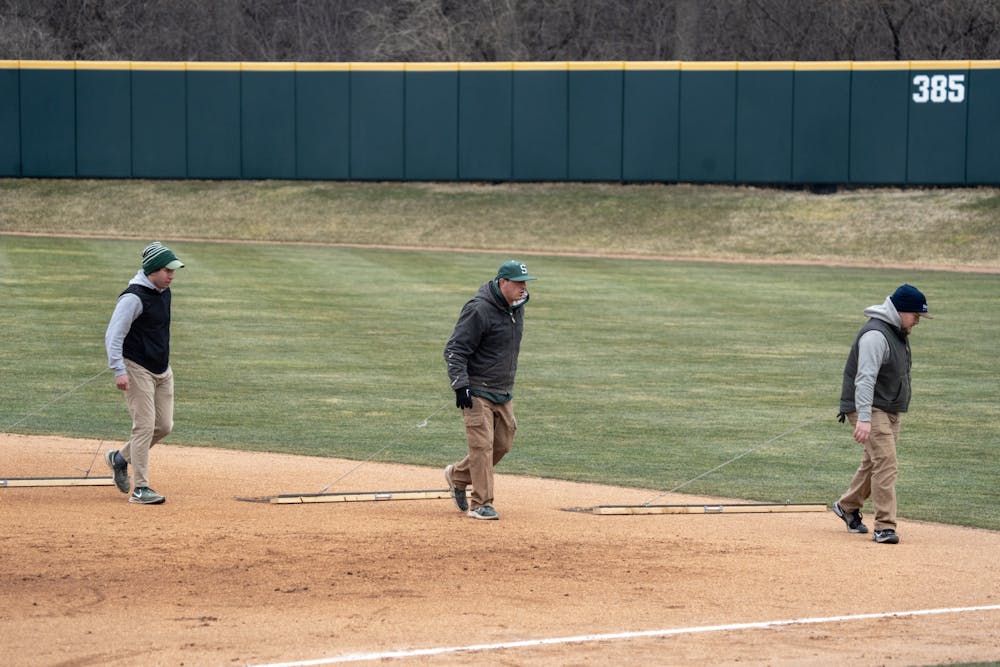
x: 156, y: 256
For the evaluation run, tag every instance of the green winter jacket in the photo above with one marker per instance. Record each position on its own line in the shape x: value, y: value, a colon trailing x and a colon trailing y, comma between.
x: 482, y: 351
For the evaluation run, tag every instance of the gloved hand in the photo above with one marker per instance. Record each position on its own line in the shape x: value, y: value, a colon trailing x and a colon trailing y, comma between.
x: 463, y: 398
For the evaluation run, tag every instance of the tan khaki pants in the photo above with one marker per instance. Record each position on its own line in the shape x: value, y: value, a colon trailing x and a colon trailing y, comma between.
x: 489, y: 429
x: 876, y: 476
x: 150, y: 402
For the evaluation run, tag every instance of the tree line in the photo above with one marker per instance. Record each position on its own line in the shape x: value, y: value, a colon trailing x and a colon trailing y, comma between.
x: 498, y: 30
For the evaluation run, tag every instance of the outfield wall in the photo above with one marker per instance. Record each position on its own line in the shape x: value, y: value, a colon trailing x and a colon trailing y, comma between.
x: 895, y: 123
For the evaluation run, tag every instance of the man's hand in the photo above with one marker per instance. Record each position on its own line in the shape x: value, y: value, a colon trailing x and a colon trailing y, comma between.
x: 861, y: 431
x: 121, y: 381
x: 463, y: 398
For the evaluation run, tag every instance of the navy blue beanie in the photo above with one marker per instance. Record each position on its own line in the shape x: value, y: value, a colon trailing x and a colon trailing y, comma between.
x: 908, y: 299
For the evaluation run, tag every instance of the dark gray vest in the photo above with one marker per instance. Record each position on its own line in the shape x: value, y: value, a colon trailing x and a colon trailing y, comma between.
x: 892, y: 386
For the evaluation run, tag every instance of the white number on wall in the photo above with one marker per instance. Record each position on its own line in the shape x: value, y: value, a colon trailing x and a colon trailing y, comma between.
x: 939, y: 88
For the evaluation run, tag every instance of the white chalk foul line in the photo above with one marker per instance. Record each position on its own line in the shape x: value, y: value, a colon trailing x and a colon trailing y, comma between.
x: 582, y: 639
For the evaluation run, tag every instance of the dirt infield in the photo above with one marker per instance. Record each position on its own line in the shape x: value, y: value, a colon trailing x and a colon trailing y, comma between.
x: 88, y: 579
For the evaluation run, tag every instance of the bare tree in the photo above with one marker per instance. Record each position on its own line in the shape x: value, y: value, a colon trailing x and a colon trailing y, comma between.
x: 499, y: 30
x: 23, y: 35
x: 411, y: 30
x: 687, y: 29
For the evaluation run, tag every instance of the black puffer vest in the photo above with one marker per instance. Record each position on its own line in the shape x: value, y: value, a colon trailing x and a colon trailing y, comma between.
x: 148, y: 340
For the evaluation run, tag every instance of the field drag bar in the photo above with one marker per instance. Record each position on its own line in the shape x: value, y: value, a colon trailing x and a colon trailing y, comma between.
x: 738, y: 508
x: 350, y: 497
x: 56, y: 481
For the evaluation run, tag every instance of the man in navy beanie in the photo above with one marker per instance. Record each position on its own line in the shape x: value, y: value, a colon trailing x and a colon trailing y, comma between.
x: 138, y: 347
x: 875, y: 391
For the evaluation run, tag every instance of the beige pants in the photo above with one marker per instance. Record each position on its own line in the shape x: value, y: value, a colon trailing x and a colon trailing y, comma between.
x: 489, y: 429
x: 876, y: 476
x: 150, y: 401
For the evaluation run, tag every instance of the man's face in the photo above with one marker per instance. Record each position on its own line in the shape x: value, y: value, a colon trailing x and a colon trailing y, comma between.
x: 162, y: 278
x: 908, y: 321
x: 513, y: 290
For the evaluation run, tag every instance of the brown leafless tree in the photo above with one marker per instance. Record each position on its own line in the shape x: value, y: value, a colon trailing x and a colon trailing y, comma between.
x: 499, y: 30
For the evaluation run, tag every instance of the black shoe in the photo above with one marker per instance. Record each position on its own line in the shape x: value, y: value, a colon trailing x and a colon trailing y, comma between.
x: 887, y: 536
x: 120, y: 471
x: 852, y: 519
x: 457, y: 494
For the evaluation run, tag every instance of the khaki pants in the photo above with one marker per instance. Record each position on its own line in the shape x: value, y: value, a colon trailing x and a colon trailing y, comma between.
x: 876, y: 476
x: 150, y: 401
x: 489, y: 428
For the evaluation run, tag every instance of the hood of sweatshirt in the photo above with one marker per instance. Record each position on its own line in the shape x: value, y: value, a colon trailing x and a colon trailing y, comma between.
x: 141, y: 278
x: 886, y: 312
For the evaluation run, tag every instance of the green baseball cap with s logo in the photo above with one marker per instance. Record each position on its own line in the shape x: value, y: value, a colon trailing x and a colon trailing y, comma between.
x: 514, y: 270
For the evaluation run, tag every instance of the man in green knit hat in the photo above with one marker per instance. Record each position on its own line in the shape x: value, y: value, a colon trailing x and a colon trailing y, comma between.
x: 138, y: 346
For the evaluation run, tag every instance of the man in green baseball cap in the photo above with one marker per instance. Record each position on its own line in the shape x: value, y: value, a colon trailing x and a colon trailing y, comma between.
x: 481, y: 357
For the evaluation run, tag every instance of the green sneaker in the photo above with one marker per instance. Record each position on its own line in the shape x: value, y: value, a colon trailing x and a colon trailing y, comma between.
x: 145, y: 496
x: 121, y: 472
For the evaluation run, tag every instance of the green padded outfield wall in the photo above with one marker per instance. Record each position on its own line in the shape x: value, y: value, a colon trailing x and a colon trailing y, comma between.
x: 10, y: 122
x: 708, y: 123
x: 594, y: 112
x: 47, y: 113
x: 431, y: 130
x: 879, y: 100
x: 214, y: 121
x: 103, y: 123
x: 268, y: 115
x: 650, y: 122
x: 982, y: 163
x: 764, y: 112
x: 821, y: 123
x: 322, y: 122
x: 882, y: 123
x: 540, y: 123
x: 376, y: 99
x: 938, y: 122
x: 485, y: 129
x: 159, y: 120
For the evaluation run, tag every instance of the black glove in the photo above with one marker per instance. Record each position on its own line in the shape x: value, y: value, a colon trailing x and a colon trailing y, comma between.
x: 463, y: 398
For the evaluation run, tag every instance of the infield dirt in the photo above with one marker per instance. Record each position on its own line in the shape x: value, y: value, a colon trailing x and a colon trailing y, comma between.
x: 89, y: 579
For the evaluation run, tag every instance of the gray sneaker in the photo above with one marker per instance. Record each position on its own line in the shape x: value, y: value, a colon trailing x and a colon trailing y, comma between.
x: 121, y: 472
x: 145, y: 496
x: 887, y: 536
x: 484, y: 512
x: 457, y: 494
x: 852, y: 519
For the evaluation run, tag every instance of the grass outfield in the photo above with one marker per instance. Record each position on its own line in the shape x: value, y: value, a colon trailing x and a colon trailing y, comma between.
x: 640, y: 373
